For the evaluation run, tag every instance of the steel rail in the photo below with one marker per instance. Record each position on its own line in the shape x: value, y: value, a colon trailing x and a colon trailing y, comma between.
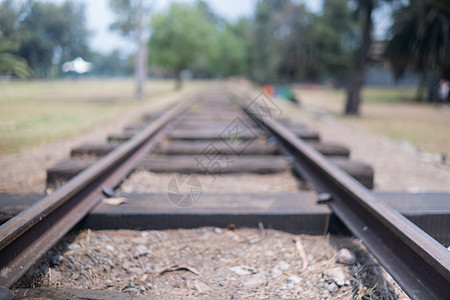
x: 27, y: 237
x: 418, y: 263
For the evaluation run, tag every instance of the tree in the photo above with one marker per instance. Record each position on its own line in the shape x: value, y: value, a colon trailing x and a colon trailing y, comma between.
x: 12, y: 64
x: 49, y: 34
x: 294, y: 39
x: 265, y: 58
x: 180, y: 38
x: 112, y: 64
x: 364, y: 9
x: 421, y: 41
x: 228, y: 53
x: 334, y: 40
x: 131, y: 21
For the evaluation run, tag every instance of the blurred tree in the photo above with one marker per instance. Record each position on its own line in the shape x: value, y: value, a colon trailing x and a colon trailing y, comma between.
x: 421, y: 41
x: 334, y: 40
x: 364, y: 10
x: 112, y: 64
x: 228, y: 50
x: 294, y: 38
x: 131, y: 22
x: 51, y: 34
x: 10, y: 62
x: 264, y: 57
x: 180, y: 38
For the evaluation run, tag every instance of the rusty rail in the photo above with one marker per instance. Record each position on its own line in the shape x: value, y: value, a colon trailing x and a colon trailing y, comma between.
x: 27, y: 237
x: 419, y: 264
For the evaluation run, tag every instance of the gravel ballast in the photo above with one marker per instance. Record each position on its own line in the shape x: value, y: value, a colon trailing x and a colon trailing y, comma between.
x: 219, y: 262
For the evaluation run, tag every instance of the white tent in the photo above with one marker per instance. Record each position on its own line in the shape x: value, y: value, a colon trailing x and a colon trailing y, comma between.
x: 78, y: 65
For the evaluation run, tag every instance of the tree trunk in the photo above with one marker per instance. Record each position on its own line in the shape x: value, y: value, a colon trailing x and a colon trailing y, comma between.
x: 141, y: 58
x: 359, y: 66
x: 178, y: 81
x: 421, y: 88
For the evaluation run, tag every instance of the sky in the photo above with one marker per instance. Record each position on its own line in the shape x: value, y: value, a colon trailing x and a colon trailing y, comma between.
x: 99, y: 17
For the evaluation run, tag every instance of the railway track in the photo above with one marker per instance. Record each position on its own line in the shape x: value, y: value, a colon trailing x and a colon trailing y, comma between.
x: 206, y: 136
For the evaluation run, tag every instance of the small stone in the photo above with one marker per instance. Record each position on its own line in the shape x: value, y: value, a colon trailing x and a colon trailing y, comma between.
x: 336, y: 275
x: 160, y: 234
x: 255, y: 280
x: 149, y: 286
x: 242, y: 270
x: 131, y: 291
x: 74, y: 247
x: 126, y: 265
x: 217, y: 231
x: 142, y: 289
x: 131, y: 285
x: 283, y: 266
x: 108, y: 283
x: 206, y: 233
x: 332, y: 287
x: 141, y: 250
x: 346, y: 257
x: 294, y: 279
x: 55, y: 275
x: 110, y: 248
x: 57, y: 260
x: 325, y: 294
x: 138, y: 240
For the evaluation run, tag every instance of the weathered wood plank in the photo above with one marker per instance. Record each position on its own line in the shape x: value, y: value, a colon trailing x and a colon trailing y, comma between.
x: 362, y: 172
x: 180, y: 147
x: 13, y: 204
x: 203, y: 164
x: 294, y: 212
x: 93, y: 149
x: 65, y: 170
x: 330, y: 149
x: 247, y: 134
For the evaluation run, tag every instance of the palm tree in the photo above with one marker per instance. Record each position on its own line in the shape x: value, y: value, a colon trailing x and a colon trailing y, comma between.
x: 11, y: 64
x: 421, y: 40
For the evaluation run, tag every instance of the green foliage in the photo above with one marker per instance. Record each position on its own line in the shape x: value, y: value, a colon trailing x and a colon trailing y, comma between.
x: 264, y: 59
x: 12, y: 64
x: 420, y: 37
x: 112, y: 64
x: 335, y: 40
x: 45, y: 34
x: 180, y: 37
x: 228, y: 52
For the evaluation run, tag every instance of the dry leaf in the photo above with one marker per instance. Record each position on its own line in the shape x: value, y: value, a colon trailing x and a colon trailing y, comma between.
x: 114, y: 201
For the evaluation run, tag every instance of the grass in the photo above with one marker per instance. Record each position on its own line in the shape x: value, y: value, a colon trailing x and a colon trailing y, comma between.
x: 39, y: 111
x: 390, y: 112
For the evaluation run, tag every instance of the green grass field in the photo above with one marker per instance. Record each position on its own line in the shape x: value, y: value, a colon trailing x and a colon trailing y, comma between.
x: 38, y: 111
x: 390, y: 112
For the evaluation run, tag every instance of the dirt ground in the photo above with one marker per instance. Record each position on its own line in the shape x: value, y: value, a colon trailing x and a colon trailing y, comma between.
x: 398, y: 165
x: 221, y: 263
